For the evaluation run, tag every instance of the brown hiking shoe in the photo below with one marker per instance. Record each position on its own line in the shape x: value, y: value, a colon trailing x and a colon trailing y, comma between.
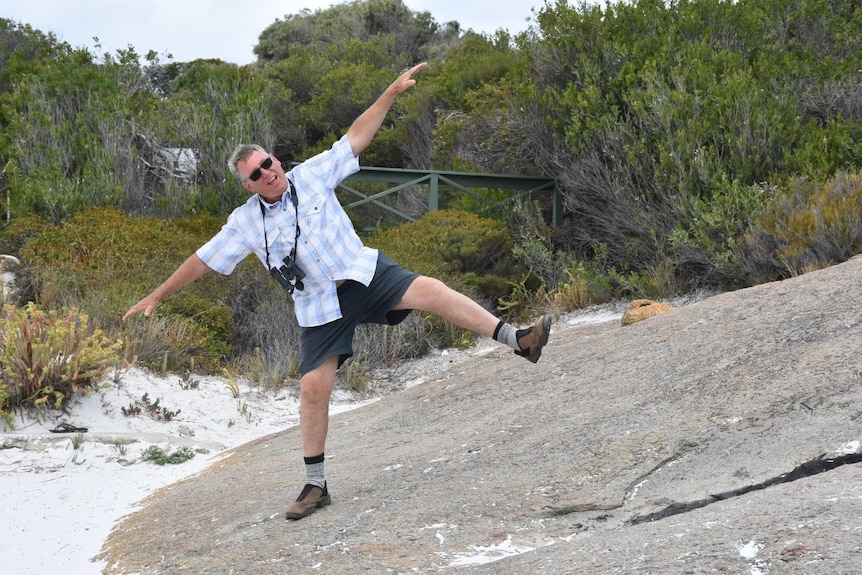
x: 309, y: 501
x: 534, y: 338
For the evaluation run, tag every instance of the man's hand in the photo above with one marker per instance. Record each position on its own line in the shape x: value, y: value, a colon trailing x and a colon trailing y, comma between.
x: 366, y: 125
x: 405, y: 80
x: 147, y: 305
x: 189, y: 271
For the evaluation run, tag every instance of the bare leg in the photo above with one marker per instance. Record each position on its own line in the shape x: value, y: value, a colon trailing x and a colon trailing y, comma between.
x: 429, y: 294
x: 315, y: 388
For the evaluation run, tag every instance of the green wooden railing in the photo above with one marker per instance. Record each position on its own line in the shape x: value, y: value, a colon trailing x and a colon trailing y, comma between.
x: 468, y: 183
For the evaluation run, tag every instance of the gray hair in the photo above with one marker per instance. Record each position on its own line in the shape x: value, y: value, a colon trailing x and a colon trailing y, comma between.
x: 242, y: 153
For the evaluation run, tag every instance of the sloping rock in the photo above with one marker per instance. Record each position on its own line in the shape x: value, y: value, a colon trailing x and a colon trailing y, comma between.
x: 722, y: 437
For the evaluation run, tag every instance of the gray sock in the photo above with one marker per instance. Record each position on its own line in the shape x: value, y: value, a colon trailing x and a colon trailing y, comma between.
x: 314, y: 471
x: 508, y: 334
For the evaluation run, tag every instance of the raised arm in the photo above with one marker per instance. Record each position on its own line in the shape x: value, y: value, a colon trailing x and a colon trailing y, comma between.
x: 364, y: 128
x: 189, y: 271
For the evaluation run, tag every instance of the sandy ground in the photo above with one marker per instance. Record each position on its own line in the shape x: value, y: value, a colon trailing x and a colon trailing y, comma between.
x: 62, y: 493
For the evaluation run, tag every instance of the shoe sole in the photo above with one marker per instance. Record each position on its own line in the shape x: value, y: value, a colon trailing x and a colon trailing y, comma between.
x: 326, y: 500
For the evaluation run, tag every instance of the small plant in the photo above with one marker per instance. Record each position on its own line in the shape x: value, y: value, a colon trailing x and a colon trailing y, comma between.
x: 158, y: 455
x: 231, y: 383
x: 123, y: 364
x: 357, y: 376
x: 583, y: 286
x: 76, y: 462
x: 156, y: 411
x: 243, y: 409
x: 519, y: 304
x: 189, y: 382
x: 153, y: 408
x: 77, y: 441
x: 8, y: 418
x: 46, y: 357
x: 132, y: 410
x: 121, y: 448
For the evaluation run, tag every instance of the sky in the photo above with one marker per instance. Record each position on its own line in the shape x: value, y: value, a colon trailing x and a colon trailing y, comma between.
x: 224, y: 29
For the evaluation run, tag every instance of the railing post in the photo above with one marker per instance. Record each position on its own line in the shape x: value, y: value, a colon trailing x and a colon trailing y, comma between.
x: 557, y: 213
x: 433, y: 193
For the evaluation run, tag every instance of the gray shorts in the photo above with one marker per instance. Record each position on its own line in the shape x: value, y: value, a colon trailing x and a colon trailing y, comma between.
x: 359, y: 304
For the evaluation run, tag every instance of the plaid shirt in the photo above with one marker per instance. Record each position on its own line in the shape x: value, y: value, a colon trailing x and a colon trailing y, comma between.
x: 328, y: 249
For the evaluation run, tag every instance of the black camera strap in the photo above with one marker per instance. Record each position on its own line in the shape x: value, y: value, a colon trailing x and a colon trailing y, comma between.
x: 295, y: 201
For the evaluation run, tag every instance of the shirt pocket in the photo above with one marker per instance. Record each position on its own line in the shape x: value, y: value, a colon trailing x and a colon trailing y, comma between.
x: 313, y: 216
x: 279, y: 241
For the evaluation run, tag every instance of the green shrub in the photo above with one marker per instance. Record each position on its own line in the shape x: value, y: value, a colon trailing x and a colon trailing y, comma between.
x: 448, y: 243
x: 102, y: 261
x: 168, y: 343
x: 585, y: 286
x: 811, y: 227
x: 159, y: 456
x: 213, y: 320
x: 546, y: 265
x: 19, y: 231
x: 704, y: 241
x: 488, y: 287
x: 98, y: 247
x: 47, y: 357
x: 555, y: 279
x: 528, y: 295
x: 656, y: 281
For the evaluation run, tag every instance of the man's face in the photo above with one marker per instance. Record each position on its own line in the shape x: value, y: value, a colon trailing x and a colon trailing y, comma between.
x: 263, y: 175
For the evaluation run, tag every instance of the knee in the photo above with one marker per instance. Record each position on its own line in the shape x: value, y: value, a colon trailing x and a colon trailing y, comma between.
x: 315, y: 388
x: 430, y: 288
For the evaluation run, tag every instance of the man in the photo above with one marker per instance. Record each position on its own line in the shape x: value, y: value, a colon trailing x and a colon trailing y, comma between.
x: 296, y: 227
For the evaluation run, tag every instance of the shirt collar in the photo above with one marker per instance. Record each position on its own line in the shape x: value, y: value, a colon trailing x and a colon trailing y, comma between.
x: 269, y: 207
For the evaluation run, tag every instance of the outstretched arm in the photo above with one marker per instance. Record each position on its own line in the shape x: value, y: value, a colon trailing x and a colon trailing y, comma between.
x: 189, y: 271
x: 364, y: 128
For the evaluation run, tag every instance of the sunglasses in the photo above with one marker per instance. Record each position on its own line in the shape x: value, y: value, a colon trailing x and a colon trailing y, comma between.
x: 264, y: 165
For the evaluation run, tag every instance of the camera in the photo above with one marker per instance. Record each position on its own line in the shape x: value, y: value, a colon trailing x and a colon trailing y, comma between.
x: 289, y: 275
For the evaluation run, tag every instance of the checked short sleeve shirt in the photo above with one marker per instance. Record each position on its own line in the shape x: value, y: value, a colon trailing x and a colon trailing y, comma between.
x: 328, y: 248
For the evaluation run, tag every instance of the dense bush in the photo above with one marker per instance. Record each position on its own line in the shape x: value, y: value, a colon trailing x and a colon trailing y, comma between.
x: 665, y: 123
x: 808, y: 228
x: 102, y: 261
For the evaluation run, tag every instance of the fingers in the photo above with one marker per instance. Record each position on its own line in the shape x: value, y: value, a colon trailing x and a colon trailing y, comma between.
x: 135, y: 309
x: 411, y: 71
x: 406, y: 80
x: 417, y: 68
x: 132, y: 311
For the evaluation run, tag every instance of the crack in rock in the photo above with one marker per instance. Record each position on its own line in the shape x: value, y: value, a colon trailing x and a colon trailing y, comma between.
x: 807, y: 469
